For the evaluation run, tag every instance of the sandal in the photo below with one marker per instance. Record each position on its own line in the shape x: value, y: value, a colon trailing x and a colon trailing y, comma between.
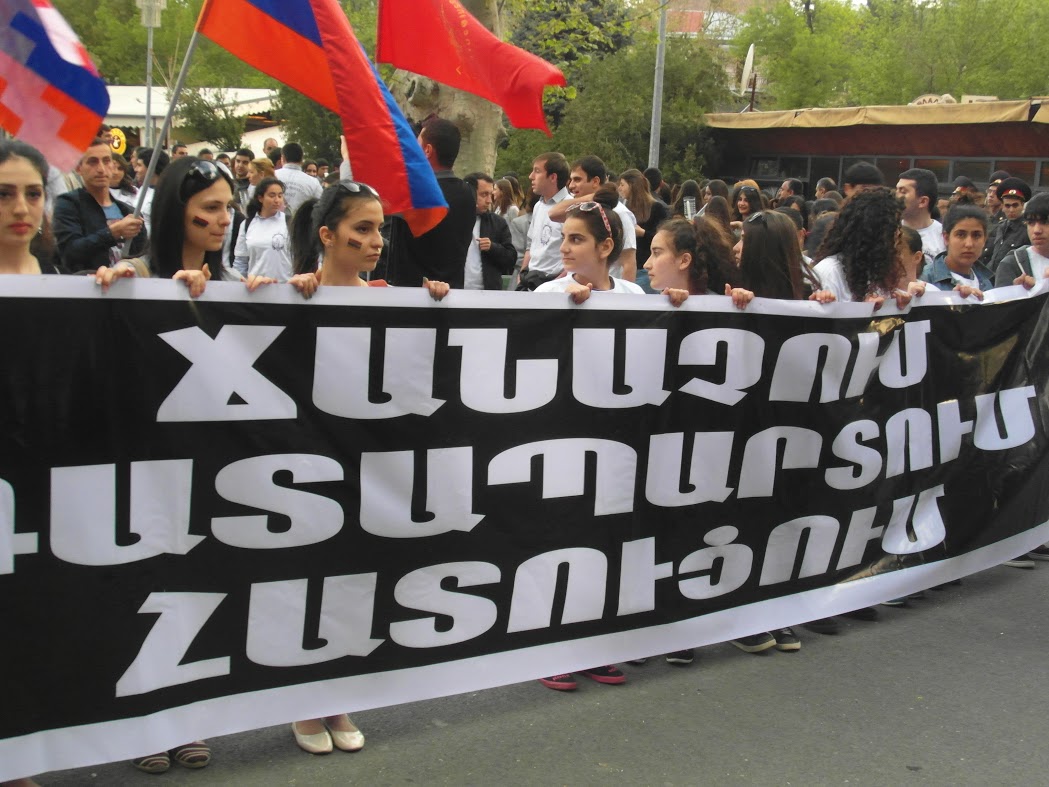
x: 192, y: 755
x: 154, y: 763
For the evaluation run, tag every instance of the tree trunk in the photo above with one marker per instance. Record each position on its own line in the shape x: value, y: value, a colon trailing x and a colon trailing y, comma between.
x: 480, y: 121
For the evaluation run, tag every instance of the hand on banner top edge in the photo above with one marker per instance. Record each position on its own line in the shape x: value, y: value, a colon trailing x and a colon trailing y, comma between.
x: 105, y: 276
x: 677, y: 296
x: 578, y: 293
x: 823, y: 296
x: 305, y: 283
x: 437, y: 289
x: 965, y: 290
x: 254, y: 282
x: 1027, y: 281
x: 195, y: 280
x: 917, y: 288
x: 740, y: 297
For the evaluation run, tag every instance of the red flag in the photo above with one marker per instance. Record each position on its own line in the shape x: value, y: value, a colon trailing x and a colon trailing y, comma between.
x: 441, y: 40
x: 310, y: 46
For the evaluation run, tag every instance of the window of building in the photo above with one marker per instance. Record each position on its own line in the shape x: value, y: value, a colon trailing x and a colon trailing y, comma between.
x: 940, y: 166
x: 976, y: 170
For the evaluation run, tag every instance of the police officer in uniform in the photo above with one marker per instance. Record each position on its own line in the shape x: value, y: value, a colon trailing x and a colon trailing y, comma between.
x: 1011, y: 232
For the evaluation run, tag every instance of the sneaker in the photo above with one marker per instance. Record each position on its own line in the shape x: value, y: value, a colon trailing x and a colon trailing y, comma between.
x: 863, y: 613
x: 823, y: 626
x: 786, y: 639
x: 606, y: 674
x: 638, y: 662
x: 1023, y: 561
x: 755, y: 643
x: 680, y: 657
x: 560, y: 682
x: 1039, y: 553
x: 895, y: 602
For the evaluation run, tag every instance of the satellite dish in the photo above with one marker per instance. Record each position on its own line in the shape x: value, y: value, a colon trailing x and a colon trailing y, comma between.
x: 748, y: 70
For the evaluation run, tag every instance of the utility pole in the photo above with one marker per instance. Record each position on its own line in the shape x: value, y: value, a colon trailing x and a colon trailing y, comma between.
x: 657, y: 90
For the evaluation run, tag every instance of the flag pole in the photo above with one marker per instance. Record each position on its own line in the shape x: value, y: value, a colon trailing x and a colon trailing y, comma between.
x: 175, y: 92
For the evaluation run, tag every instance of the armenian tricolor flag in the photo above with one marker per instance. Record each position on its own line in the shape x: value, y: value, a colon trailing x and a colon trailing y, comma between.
x: 51, y: 96
x: 310, y: 46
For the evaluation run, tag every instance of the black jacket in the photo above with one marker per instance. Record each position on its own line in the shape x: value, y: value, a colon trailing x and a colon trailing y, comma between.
x: 500, y: 259
x: 82, y: 236
x: 439, y: 254
x: 1008, y: 236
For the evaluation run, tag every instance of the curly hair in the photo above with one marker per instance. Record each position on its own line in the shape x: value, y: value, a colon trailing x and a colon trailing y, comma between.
x: 864, y: 239
x: 711, y: 268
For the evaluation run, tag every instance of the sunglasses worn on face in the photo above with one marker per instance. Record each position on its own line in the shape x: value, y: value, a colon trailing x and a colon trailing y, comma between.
x: 587, y: 207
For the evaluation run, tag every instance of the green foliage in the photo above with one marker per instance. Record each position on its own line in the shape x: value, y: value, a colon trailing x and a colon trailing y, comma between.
x: 210, y: 119
x: 611, y: 116
x: 837, y: 53
x: 571, y: 34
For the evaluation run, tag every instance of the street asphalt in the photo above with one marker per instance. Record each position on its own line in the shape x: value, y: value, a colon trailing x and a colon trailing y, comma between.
x: 952, y: 690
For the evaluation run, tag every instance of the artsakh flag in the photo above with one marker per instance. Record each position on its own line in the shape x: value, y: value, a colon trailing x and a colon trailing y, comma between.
x: 51, y: 96
x: 441, y: 40
x: 310, y: 46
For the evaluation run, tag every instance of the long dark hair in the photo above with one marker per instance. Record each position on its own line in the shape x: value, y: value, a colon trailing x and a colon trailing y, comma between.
x: 864, y: 239
x: 183, y: 178
x: 708, y: 244
x: 688, y: 189
x: 640, y: 200
x: 331, y: 208
x: 771, y: 264
x: 717, y: 210
x: 751, y: 195
x: 255, y: 203
x: 43, y: 245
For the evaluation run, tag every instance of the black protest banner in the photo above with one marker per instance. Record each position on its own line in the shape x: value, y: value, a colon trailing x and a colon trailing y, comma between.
x: 232, y: 512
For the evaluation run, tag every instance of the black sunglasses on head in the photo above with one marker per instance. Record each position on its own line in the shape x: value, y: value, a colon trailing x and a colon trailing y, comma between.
x: 203, y: 174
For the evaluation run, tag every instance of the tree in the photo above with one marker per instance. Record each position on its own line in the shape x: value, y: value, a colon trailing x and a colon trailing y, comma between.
x: 211, y: 118
x: 571, y: 34
x: 605, y: 119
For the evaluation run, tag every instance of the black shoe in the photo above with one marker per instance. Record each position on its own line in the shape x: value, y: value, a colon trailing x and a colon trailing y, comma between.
x: 1039, y: 553
x: 755, y: 643
x: 863, y: 613
x: 681, y: 657
x: 786, y: 639
x: 606, y: 674
x: 638, y: 662
x: 823, y: 626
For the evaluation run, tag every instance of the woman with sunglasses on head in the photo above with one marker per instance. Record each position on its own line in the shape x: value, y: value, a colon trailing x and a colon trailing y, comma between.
x: 592, y: 238
x: 341, y: 232
x: 262, y: 244
x: 192, y: 208
x: 746, y: 201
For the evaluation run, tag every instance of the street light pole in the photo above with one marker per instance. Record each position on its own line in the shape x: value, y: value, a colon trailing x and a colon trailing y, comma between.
x: 657, y: 91
x: 150, y: 20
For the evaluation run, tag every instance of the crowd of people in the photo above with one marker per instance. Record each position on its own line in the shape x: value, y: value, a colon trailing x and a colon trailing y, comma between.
x: 577, y: 230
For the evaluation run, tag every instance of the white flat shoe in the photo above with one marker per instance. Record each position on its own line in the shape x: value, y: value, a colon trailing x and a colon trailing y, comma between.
x: 318, y: 743
x: 347, y: 741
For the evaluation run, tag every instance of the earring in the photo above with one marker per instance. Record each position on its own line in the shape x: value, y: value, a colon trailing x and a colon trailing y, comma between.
x: 40, y: 230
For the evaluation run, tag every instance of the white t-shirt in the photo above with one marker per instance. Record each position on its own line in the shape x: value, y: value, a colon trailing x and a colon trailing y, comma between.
x: 298, y: 186
x: 932, y: 239
x: 544, y: 236
x: 831, y: 274
x: 473, y: 278
x: 629, y: 236
x: 618, y: 286
x: 1039, y: 264
x: 265, y: 247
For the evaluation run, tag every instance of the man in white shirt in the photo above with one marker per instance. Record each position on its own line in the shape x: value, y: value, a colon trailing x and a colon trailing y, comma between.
x: 542, y: 260
x: 298, y: 186
x: 587, y: 175
x: 918, y: 189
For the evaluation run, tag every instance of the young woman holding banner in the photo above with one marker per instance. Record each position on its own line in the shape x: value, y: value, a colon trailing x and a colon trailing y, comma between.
x: 336, y: 239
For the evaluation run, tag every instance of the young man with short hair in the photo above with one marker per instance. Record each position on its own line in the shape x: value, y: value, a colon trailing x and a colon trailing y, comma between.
x: 491, y: 254
x: 298, y: 186
x: 542, y: 260
x: 918, y: 190
x: 90, y: 227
